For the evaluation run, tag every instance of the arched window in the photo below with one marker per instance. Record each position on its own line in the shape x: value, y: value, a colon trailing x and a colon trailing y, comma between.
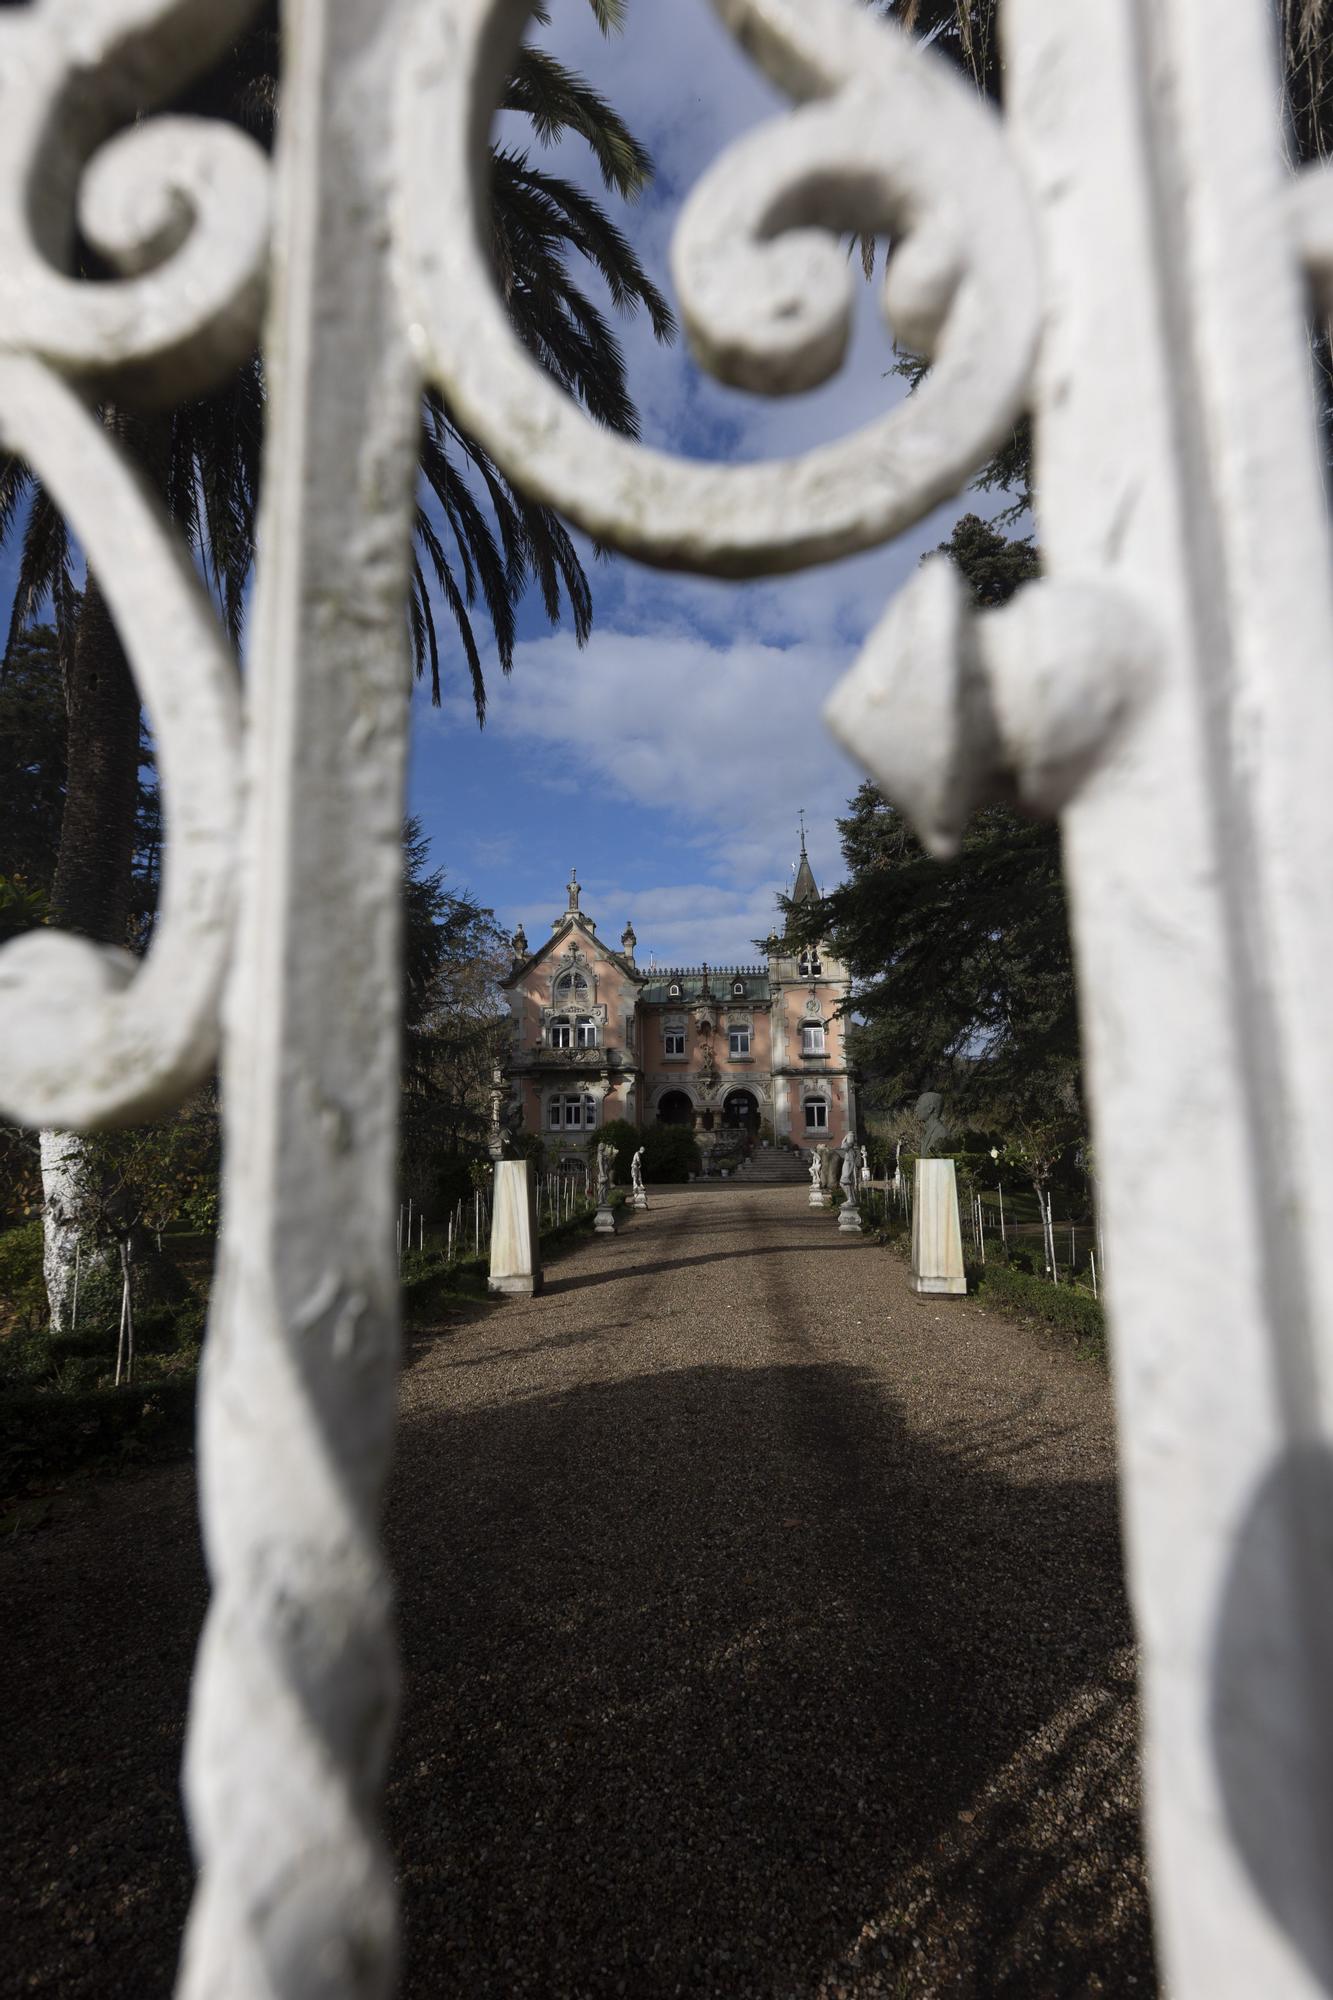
x: 738, y: 988
x: 810, y: 965
x: 673, y: 990
x: 572, y: 989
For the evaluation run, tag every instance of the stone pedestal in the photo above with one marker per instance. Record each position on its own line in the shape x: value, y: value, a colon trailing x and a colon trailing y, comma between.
x: 849, y: 1219
x: 604, y: 1222
x: 819, y: 1197
x: 640, y: 1198
x: 516, y: 1264
x: 937, y: 1233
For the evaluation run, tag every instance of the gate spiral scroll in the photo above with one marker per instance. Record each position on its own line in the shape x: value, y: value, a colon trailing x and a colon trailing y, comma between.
x: 180, y: 206
x: 886, y: 140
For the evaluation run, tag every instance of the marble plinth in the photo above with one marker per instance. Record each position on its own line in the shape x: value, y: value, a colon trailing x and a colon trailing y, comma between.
x: 516, y: 1264
x: 604, y: 1222
x: 640, y: 1198
x: 819, y: 1197
x: 937, y: 1232
x: 849, y: 1219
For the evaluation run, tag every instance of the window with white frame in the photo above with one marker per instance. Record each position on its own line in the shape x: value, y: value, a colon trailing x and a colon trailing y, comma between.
x: 810, y: 965
x: 586, y: 1032
x: 673, y: 1041
x: 739, y: 1042
x: 562, y: 1034
x: 674, y: 990
x: 816, y: 1115
x: 812, y: 1038
x: 738, y: 987
x: 572, y: 1114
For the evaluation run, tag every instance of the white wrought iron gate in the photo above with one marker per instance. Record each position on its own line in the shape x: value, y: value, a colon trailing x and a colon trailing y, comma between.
x: 1127, y: 256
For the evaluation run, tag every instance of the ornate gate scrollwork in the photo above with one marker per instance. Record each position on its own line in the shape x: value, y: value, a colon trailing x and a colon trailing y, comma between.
x: 1126, y: 254
x: 764, y: 285
x: 181, y: 208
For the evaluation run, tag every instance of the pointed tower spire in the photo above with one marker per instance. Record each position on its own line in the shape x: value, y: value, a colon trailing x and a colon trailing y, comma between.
x: 804, y: 889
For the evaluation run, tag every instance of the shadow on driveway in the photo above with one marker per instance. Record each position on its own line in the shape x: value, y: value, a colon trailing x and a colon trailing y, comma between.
x: 722, y: 1682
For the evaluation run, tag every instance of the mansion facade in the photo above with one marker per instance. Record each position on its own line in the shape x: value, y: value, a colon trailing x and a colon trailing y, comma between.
x: 737, y: 1052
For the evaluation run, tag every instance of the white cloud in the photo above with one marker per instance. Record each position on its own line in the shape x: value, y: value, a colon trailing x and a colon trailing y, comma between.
x: 727, y: 736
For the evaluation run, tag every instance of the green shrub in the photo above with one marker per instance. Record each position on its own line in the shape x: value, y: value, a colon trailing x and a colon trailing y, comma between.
x: 451, y: 1184
x: 626, y: 1139
x: 1062, y: 1306
x: 22, y: 1287
x: 670, y: 1153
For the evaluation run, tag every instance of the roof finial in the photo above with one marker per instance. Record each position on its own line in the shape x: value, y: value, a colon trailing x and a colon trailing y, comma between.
x: 573, y: 886
x: 801, y: 816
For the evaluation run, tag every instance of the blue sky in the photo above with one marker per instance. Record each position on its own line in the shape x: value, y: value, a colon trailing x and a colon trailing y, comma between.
x: 667, y: 759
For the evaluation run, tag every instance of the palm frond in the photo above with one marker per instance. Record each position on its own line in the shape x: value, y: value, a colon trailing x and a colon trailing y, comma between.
x: 610, y: 15
x: 558, y: 101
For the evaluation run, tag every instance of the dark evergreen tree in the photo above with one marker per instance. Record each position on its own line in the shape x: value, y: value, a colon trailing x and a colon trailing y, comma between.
x: 964, y: 973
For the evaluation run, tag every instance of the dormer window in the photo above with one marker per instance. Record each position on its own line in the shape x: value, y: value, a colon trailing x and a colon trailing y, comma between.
x: 585, y: 1029
x: 738, y: 988
x: 810, y: 965
x: 562, y: 1034
x: 673, y: 991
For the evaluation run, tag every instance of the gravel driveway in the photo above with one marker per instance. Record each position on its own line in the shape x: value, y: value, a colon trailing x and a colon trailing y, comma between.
x: 764, y: 1635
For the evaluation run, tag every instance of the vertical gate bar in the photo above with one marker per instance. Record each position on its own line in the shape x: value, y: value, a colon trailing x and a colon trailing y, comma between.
x: 1175, y: 454
x: 296, y: 1689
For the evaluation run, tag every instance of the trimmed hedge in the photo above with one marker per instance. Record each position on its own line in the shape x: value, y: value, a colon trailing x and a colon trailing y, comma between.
x: 1062, y: 1306
x: 670, y: 1154
x: 45, y: 1433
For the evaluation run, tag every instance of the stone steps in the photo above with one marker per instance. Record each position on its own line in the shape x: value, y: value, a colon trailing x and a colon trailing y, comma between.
x: 770, y: 1166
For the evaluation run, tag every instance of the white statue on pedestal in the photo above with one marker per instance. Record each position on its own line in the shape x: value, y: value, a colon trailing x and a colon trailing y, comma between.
x: 604, y: 1166
x: 865, y: 1165
x: 849, y: 1215
x: 636, y: 1179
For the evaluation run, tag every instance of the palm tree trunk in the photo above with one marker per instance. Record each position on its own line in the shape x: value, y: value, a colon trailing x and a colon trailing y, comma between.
x: 91, y: 890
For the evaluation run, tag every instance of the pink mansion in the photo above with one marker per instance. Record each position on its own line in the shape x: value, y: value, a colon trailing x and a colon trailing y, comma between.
x: 730, y: 1050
